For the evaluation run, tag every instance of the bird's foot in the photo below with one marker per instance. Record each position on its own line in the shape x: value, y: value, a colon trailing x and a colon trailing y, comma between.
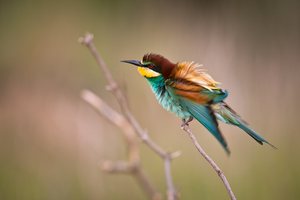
x: 185, y: 122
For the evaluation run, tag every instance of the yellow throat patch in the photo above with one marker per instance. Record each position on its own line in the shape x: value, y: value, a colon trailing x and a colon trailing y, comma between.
x: 148, y: 73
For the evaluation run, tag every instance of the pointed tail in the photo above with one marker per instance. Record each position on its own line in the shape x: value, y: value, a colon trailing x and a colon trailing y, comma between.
x: 254, y: 135
x: 229, y: 116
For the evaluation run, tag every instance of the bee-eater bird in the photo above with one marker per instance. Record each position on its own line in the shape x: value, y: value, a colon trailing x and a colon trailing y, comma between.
x: 187, y: 90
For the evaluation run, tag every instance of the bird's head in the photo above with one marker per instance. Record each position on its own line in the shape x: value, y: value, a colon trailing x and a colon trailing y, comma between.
x: 152, y: 65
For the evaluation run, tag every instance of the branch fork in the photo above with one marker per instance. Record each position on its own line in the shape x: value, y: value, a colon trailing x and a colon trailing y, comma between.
x: 132, y: 130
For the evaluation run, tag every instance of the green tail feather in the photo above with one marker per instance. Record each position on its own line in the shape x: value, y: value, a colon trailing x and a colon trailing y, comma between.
x: 254, y: 135
x: 229, y: 116
x: 205, y: 115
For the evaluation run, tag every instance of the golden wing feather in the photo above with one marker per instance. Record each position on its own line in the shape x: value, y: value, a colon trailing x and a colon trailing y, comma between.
x: 188, y: 79
x: 193, y: 72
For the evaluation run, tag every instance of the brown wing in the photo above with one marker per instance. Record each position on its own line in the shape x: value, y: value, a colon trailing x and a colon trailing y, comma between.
x: 188, y: 80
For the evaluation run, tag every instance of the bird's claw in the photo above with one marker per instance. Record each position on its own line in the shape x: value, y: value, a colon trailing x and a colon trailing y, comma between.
x: 185, y: 123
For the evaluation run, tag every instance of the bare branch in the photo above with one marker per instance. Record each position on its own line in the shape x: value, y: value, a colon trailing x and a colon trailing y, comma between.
x: 136, y: 171
x: 103, y: 108
x: 140, y: 176
x: 172, y: 195
x: 112, y: 86
x: 133, y: 165
x: 116, y: 167
x: 210, y: 161
x: 117, y: 119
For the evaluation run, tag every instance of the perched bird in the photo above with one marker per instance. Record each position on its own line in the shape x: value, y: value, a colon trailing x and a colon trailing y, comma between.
x: 187, y: 90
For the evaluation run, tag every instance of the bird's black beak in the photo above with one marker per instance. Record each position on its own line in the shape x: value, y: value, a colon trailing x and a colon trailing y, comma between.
x: 133, y: 62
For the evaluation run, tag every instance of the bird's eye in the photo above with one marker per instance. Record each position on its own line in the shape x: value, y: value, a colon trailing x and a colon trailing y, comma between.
x: 151, y: 66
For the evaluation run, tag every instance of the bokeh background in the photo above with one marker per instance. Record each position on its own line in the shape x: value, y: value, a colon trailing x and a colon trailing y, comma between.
x: 51, y: 142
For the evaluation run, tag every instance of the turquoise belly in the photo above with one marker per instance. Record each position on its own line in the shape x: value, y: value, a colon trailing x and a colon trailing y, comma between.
x: 165, y: 99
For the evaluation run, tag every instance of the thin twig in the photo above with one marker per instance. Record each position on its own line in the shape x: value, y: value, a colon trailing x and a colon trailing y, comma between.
x: 113, y: 87
x: 141, y: 177
x: 115, y: 118
x: 169, y: 179
x: 132, y: 166
x: 211, y: 162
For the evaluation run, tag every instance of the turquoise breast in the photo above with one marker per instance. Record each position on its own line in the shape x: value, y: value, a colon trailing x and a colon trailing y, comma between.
x: 166, y: 99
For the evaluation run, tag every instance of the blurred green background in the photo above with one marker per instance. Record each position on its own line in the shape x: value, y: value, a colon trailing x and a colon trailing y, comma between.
x: 51, y: 142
